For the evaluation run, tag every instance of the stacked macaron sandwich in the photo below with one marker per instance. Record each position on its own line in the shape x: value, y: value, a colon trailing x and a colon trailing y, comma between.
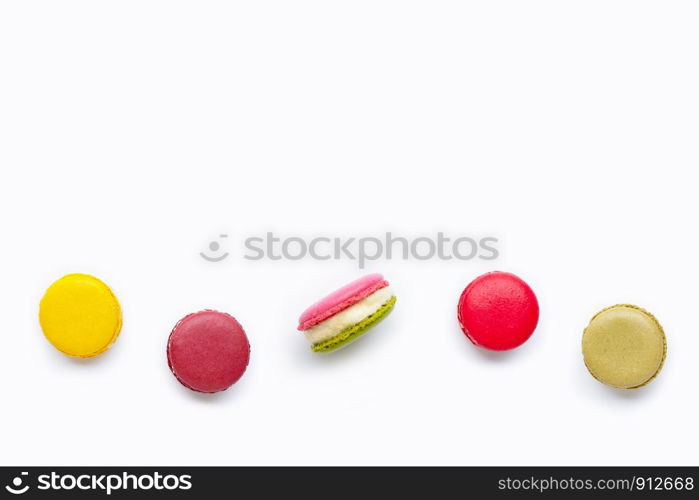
x: 346, y: 314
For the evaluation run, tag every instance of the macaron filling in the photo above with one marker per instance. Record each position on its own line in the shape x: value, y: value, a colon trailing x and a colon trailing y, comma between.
x: 349, y: 317
x: 353, y: 332
x: 340, y: 300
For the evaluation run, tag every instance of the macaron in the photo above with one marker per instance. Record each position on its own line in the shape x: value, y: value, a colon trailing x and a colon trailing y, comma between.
x: 498, y: 311
x: 80, y: 316
x: 346, y: 314
x: 624, y: 346
x: 208, y: 351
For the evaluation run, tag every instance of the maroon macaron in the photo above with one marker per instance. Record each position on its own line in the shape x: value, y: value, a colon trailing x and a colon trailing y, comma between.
x: 208, y: 351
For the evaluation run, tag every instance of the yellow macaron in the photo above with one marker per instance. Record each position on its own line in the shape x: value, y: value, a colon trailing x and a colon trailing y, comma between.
x: 80, y: 316
x: 624, y: 346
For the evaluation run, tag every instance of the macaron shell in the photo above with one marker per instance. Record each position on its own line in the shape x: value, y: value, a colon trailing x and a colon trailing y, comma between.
x: 341, y: 299
x: 624, y: 346
x: 352, y: 333
x: 208, y: 351
x: 498, y: 311
x: 80, y: 315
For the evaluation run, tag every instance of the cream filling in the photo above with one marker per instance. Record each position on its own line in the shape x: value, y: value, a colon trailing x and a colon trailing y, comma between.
x: 348, y: 317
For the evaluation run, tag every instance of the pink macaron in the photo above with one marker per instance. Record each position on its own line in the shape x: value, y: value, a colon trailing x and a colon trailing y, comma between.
x: 343, y: 316
x: 498, y: 311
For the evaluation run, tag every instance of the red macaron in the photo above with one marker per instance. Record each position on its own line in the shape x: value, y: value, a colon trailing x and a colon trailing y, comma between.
x: 498, y: 311
x: 208, y: 351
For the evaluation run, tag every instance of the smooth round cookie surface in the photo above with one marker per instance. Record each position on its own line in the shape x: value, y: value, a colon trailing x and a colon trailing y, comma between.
x: 624, y: 346
x: 498, y: 311
x: 80, y: 315
x: 208, y: 351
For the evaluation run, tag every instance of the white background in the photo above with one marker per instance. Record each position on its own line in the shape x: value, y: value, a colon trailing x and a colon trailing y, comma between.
x: 134, y: 132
